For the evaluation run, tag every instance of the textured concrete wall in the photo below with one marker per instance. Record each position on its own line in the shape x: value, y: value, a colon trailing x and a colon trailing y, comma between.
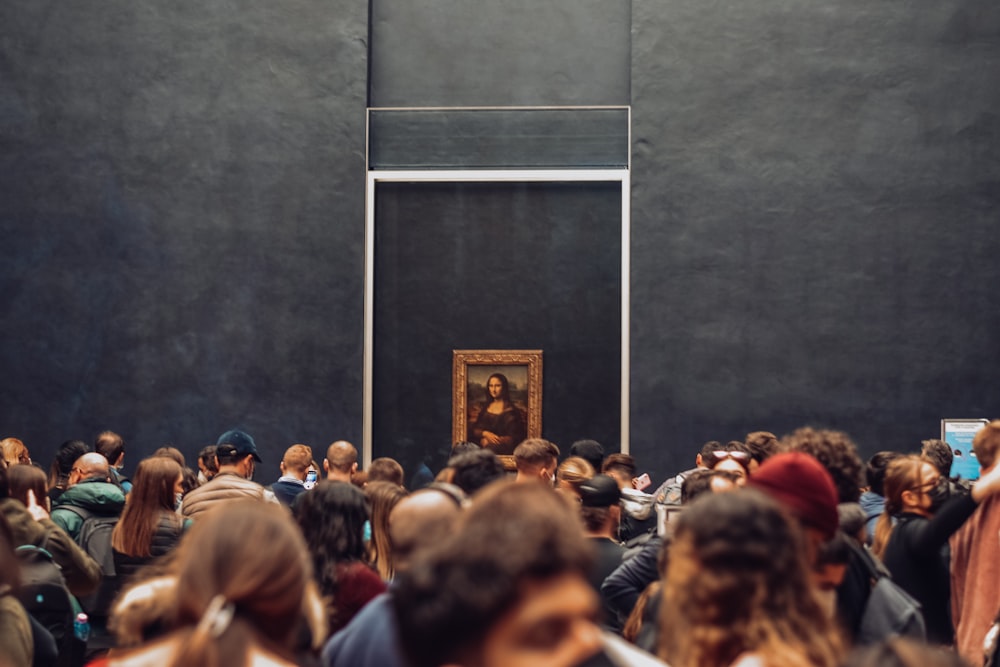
x: 816, y: 193
x: 181, y: 222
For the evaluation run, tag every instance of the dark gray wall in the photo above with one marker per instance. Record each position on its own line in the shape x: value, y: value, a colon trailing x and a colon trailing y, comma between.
x: 816, y: 192
x: 181, y: 222
x: 499, y: 53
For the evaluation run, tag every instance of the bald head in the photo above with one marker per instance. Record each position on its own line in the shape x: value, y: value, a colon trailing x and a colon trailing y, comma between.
x: 341, y: 460
x: 418, y: 521
x: 89, y: 466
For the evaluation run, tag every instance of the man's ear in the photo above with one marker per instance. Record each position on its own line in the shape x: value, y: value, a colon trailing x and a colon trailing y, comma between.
x: 354, y: 468
x: 697, y: 461
x: 326, y: 466
x: 281, y: 467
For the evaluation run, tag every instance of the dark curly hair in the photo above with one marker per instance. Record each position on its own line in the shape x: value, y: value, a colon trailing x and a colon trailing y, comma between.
x: 838, y: 454
x: 332, y: 516
x: 738, y: 581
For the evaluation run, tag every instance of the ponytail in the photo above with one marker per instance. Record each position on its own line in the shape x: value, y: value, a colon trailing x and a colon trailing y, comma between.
x: 883, y: 531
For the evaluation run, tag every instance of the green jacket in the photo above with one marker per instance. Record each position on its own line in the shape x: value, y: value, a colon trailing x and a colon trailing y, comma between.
x: 94, y: 495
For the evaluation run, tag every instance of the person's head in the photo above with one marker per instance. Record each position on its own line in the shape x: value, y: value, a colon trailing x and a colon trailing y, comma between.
x: 762, y: 445
x: 332, y: 517
x: 341, y: 461
x: 14, y: 451
x: 507, y: 593
x: 171, y: 452
x: 708, y: 481
x: 706, y: 452
x: 296, y: 461
x: 207, y: 465
x: 909, y: 485
x: 22, y: 478
x: 229, y: 459
x: 733, y: 457
x: 382, y: 498
x: 875, y: 470
x: 986, y: 444
x: 590, y: 451
x: 385, y: 469
x: 497, y: 388
x: 838, y: 454
x: 939, y: 453
x: 157, y: 486
x: 244, y: 446
x: 804, y: 487
x: 621, y: 467
x: 421, y: 520
x: 90, y: 466
x: 62, y: 464
x: 536, y: 459
x: 738, y: 581
x: 475, y: 469
x: 600, y: 507
x: 112, y: 447
x: 249, y: 562
x: 913, y: 485
x: 571, y: 473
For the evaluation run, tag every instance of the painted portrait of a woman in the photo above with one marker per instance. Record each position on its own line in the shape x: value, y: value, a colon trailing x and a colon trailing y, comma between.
x: 500, y: 425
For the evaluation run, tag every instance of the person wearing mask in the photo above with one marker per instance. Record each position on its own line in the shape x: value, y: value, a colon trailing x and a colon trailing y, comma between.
x: 915, y: 548
x: 236, y: 457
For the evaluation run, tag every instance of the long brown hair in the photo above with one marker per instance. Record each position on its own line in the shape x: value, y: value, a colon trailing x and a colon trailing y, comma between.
x: 151, y: 498
x: 22, y: 478
x: 904, y: 473
x: 737, y: 582
x: 251, y: 557
x: 382, y: 496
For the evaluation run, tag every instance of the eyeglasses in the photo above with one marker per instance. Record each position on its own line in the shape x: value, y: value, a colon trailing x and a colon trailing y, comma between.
x: 735, y: 455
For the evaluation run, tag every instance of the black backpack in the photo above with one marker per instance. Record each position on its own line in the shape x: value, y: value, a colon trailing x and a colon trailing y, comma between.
x: 95, y: 538
x: 44, y: 595
x: 889, y: 611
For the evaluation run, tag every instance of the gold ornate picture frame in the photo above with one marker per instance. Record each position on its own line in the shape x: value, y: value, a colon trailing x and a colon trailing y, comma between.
x: 516, y: 376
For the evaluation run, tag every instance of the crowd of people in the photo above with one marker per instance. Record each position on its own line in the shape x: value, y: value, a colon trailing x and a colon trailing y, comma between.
x: 767, y: 553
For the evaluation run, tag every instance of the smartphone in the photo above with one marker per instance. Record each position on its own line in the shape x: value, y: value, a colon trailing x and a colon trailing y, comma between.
x: 310, y: 479
x: 641, y: 482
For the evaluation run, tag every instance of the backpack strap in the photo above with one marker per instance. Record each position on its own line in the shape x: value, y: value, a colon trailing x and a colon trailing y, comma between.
x: 77, y: 510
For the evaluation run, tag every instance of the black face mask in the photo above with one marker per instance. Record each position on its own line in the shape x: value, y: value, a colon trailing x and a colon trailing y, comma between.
x: 939, y: 494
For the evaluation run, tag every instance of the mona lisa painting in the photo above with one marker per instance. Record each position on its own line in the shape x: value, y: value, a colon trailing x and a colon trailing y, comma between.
x: 497, y: 397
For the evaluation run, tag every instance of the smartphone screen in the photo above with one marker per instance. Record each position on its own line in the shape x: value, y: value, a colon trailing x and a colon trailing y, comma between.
x: 310, y: 479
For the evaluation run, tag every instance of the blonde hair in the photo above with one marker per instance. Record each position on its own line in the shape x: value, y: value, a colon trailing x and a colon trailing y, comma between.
x: 575, y: 471
x: 13, y: 451
x: 383, y: 497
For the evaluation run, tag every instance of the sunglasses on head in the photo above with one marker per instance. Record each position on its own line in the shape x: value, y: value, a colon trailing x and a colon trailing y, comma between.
x: 736, y: 456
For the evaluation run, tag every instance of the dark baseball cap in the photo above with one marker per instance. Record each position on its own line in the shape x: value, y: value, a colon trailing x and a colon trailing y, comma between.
x: 599, y: 491
x: 241, y: 442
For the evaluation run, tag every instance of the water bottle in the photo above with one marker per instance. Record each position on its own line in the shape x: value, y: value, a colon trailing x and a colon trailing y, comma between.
x: 81, y: 627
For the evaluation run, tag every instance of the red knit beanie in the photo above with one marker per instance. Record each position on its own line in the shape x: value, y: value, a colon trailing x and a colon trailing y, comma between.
x: 800, y: 483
